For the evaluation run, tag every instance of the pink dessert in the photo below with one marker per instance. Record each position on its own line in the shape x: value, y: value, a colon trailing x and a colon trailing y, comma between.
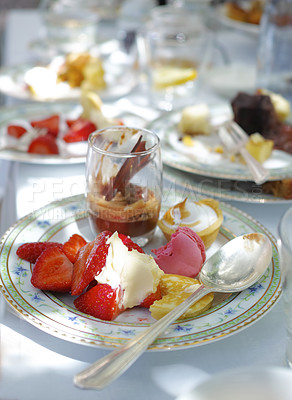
x: 184, y: 254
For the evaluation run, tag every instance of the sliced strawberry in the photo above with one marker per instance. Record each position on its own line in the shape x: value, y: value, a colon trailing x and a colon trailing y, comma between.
x: 52, y: 271
x: 101, y: 301
x: 16, y: 131
x: 79, y: 131
x: 89, y: 262
x: 71, y: 122
x: 43, y: 145
x: 129, y: 243
x: 149, y: 300
x: 51, y: 124
x: 31, y: 251
x: 72, y: 246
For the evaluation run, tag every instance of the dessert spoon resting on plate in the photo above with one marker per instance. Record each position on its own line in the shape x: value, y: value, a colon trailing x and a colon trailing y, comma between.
x: 234, y: 267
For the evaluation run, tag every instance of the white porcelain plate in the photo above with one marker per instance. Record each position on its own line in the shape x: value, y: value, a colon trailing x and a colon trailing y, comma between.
x: 202, y: 158
x: 120, y: 77
x: 55, y: 314
x: 72, y: 153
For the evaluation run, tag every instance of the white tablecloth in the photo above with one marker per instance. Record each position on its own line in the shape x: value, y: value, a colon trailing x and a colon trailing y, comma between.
x: 37, y: 365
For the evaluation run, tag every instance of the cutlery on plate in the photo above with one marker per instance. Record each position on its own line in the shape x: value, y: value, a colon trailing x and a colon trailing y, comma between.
x: 234, y: 139
x: 234, y: 267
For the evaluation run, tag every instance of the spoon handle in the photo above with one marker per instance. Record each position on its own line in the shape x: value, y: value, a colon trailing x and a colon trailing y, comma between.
x: 110, y: 367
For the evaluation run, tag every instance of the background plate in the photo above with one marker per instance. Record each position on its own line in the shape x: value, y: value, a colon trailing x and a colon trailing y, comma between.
x: 221, y: 189
x: 189, y: 159
x: 40, y: 110
x: 56, y: 314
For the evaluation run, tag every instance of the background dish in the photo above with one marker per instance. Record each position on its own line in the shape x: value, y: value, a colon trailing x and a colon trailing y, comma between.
x: 234, y: 24
x: 247, y: 192
x: 118, y: 64
x: 56, y: 315
x: 41, y: 110
x: 201, y: 162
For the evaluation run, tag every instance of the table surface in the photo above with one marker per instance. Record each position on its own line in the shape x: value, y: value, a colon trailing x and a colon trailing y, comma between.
x: 37, y: 365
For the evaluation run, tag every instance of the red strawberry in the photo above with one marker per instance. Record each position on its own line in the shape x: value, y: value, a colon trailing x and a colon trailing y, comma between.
x: 129, y: 243
x: 71, y: 122
x: 16, y: 131
x: 51, y: 124
x: 31, y: 251
x: 89, y: 262
x: 149, y: 300
x: 43, y: 145
x: 72, y: 246
x: 101, y: 301
x: 79, y: 131
x: 52, y: 271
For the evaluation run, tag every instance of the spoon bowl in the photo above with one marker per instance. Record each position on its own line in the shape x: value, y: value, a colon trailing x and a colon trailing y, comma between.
x: 234, y: 267
x: 238, y: 264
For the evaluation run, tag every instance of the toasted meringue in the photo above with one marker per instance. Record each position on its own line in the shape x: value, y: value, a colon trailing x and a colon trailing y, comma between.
x: 204, y: 217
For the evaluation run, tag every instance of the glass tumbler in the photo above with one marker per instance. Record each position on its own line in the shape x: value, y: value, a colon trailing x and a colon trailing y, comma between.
x: 174, y: 48
x: 124, y: 182
x: 274, y: 64
x: 285, y: 233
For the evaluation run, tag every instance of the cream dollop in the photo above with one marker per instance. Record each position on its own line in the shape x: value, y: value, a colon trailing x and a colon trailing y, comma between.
x: 136, y: 274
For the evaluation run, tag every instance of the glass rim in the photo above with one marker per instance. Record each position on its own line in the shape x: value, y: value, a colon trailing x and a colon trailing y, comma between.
x: 97, y: 149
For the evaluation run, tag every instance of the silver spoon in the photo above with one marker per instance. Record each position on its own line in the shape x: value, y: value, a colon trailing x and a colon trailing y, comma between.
x: 233, y: 268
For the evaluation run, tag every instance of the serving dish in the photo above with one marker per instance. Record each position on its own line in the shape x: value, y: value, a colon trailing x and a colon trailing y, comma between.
x: 202, y: 158
x: 56, y: 315
x: 69, y: 153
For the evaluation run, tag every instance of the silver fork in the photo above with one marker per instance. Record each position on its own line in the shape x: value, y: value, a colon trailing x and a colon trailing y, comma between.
x: 234, y: 139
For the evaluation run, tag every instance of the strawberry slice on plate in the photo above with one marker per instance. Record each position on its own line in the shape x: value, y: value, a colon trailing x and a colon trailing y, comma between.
x: 89, y: 262
x: 79, y: 131
x: 52, y: 271
x: 129, y: 243
x: 51, y: 124
x: 73, y: 245
x: 45, y: 144
x: 149, y: 300
x: 31, y: 251
x: 16, y: 131
x: 101, y: 301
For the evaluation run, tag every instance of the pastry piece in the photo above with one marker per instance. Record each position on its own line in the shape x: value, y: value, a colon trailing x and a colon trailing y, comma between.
x: 259, y: 147
x: 184, y: 254
x: 204, y: 217
x: 174, y: 290
x: 195, y: 120
x: 281, y: 188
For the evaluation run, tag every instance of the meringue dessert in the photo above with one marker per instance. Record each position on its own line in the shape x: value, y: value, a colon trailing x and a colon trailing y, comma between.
x: 204, y: 217
x: 174, y: 290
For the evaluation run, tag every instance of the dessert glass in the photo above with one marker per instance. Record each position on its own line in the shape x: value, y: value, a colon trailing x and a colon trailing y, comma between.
x: 124, y: 182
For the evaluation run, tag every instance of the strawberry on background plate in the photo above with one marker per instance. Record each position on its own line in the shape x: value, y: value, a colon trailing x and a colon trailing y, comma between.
x: 16, y: 131
x: 79, y: 131
x: 51, y: 124
x: 31, y: 251
x: 73, y: 245
x: 101, y: 301
x: 45, y: 144
x: 52, y: 271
